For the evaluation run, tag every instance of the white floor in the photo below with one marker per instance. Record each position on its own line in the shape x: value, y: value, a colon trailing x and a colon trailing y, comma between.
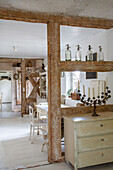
x: 64, y: 166
x: 16, y: 150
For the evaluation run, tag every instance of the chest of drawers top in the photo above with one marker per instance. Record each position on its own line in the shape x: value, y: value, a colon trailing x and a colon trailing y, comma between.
x: 87, y: 125
x: 80, y: 118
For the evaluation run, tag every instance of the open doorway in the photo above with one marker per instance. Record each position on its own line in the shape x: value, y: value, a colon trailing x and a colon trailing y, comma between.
x: 25, y: 43
x: 6, y: 90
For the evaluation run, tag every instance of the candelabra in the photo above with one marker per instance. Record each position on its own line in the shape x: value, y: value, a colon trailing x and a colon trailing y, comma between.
x: 94, y: 101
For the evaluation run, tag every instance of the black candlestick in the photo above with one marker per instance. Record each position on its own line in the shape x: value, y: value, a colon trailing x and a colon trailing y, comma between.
x: 94, y: 101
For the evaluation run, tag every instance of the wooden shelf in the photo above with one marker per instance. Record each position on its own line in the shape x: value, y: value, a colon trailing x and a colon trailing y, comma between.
x: 86, y: 66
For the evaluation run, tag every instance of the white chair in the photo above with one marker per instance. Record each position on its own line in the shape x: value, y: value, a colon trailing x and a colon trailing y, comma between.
x: 45, y: 137
x: 1, y: 96
x: 35, y: 123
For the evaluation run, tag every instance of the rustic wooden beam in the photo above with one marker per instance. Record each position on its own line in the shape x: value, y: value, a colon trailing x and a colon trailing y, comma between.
x: 28, y: 101
x: 86, y: 66
x: 23, y: 87
x: 34, y: 17
x: 10, y: 60
x: 34, y: 92
x: 86, y: 109
x: 32, y: 96
x: 33, y: 82
x: 54, y: 115
x: 32, y: 74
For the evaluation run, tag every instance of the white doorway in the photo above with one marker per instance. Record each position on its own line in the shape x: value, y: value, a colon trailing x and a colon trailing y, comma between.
x: 6, y: 90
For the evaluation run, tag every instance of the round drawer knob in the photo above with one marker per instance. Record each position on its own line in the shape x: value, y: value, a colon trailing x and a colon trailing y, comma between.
x: 102, y: 154
x: 101, y: 125
x: 102, y: 140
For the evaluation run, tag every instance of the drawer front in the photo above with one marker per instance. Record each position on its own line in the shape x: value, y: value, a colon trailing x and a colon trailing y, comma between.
x: 95, y: 142
x: 94, y: 128
x: 95, y: 157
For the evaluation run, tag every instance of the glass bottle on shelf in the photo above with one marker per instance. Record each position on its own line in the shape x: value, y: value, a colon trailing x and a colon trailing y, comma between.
x: 100, y: 54
x: 68, y: 53
x: 78, y: 54
x: 89, y: 54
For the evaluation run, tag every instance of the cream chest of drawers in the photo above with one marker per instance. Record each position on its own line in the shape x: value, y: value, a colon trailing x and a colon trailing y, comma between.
x: 88, y: 140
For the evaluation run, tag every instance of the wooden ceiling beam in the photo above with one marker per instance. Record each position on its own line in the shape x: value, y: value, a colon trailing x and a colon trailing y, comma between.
x: 35, y: 17
x: 10, y: 60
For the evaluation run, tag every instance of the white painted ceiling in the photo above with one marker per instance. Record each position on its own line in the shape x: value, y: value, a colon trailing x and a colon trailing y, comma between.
x: 92, y: 8
x: 30, y: 39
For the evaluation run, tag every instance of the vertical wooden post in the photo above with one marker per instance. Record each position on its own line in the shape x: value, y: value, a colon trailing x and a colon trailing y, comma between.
x: 23, y: 87
x: 54, y: 114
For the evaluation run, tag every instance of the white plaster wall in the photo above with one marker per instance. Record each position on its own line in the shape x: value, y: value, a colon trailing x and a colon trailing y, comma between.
x: 110, y: 58
x: 66, y: 83
x: 13, y: 90
x: 63, y: 84
x: 110, y: 45
x: 5, y: 87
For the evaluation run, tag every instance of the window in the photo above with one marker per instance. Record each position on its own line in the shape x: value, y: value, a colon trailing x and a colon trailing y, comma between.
x: 75, y: 79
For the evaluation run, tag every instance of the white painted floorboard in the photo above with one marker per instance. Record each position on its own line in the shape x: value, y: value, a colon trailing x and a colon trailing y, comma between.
x: 16, y: 150
x: 64, y: 166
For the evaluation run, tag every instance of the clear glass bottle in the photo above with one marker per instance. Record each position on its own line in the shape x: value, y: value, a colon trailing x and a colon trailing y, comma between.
x: 78, y: 54
x: 68, y: 53
x: 89, y: 54
x: 100, y: 54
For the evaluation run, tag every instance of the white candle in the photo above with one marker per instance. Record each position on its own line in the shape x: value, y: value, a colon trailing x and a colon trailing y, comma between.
x: 102, y: 87
x: 78, y: 85
x: 98, y: 83
x: 106, y: 81
x: 93, y: 92
x: 88, y: 92
x: 98, y: 91
x: 83, y: 89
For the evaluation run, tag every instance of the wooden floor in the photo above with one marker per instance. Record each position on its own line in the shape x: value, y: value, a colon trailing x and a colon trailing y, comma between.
x: 64, y: 166
x: 16, y: 150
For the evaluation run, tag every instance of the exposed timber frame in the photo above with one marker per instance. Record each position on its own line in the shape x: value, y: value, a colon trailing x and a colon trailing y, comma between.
x: 54, y: 117
x: 10, y: 60
x: 55, y: 67
x: 23, y: 87
x: 34, y: 17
